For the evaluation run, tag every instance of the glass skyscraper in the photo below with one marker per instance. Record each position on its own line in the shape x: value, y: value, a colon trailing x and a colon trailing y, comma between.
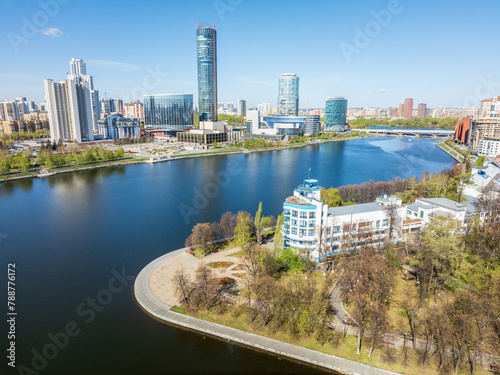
x: 336, y: 114
x: 168, y: 111
x: 288, y: 95
x: 206, y: 38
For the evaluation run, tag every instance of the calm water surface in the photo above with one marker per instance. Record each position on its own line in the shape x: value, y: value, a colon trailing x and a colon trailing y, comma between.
x: 67, y: 233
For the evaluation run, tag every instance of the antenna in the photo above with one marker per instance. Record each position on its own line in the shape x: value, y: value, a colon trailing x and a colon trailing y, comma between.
x: 309, y: 173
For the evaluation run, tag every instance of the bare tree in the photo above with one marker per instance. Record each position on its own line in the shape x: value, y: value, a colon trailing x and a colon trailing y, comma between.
x: 227, y: 224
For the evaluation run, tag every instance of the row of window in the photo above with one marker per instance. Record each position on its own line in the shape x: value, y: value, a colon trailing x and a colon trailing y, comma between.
x: 301, y: 214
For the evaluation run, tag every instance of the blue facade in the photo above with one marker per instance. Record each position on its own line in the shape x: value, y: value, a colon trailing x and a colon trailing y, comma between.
x: 288, y: 95
x: 168, y: 111
x: 284, y: 125
x: 336, y: 114
x: 206, y: 38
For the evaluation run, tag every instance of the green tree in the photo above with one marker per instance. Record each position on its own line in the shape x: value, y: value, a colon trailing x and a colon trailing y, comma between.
x: 259, y: 228
x: 120, y: 153
x: 243, y: 230
x: 331, y: 197
x: 480, y: 161
x: 278, y: 233
x: 5, y: 163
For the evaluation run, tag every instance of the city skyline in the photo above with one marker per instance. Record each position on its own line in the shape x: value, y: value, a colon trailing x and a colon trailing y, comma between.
x: 369, y: 76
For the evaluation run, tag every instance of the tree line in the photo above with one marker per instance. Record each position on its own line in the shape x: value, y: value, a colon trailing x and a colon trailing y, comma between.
x: 424, y: 122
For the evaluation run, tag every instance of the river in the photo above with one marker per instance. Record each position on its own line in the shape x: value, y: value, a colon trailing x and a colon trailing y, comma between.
x: 70, y: 235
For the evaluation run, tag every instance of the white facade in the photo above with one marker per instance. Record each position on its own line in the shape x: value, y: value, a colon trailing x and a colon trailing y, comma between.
x: 427, y: 209
x: 242, y: 107
x: 69, y: 105
x: 79, y: 74
x: 484, y: 179
x: 489, y: 146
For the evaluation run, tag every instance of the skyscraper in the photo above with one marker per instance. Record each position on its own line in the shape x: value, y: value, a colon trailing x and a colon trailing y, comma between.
x: 230, y: 107
x: 408, y: 108
x: 335, y: 114
x: 79, y: 73
x: 242, y: 107
x: 288, y: 95
x: 206, y: 38
x: 69, y: 105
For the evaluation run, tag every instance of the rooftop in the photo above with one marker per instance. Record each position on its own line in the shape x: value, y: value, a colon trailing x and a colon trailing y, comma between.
x: 299, y: 201
x: 355, y: 209
x: 444, y: 202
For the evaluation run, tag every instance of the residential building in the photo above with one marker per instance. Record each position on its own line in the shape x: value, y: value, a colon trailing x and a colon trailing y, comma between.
x: 107, y: 107
x: 230, y: 108
x: 9, y: 110
x: 264, y: 108
x: 169, y: 112
x: 79, y: 73
x: 336, y: 114
x: 242, y: 107
x: 134, y: 110
x: 220, y: 107
x: 206, y: 38
x: 484, y: 127
x: 484, y: 180
x: 408, y: 108
x: 288, y: 95
x: 69, y: 105
x: 119, y: 106
x: 489, y: 146
x: 422, y: 110
x: 427, y: 209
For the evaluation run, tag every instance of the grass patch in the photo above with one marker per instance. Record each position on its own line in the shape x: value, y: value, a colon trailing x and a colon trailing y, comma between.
x: 179, y: 309
x: 238, y: 254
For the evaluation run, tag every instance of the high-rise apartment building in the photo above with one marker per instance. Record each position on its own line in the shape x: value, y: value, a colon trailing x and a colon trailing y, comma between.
x: 206, y: 38
x: 336, y: 114
x: 422, y: 110
x: 288, y: 95
x: 9, y: 111
x: 134, y: 110
x: 242, y: 107
x: 230, y: 107
x: 69, y: 105
x: 78, y: 70
x: 408, y: 108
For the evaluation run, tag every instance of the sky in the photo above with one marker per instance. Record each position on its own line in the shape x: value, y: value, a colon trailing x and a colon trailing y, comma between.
x: 374, y: 53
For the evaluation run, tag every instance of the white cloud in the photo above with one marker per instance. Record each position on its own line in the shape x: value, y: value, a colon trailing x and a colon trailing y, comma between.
x: 124, y: 67
x: 380, y: 91
x: 52, y: 31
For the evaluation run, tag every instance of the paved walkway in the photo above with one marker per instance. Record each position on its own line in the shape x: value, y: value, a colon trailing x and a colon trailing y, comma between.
x: 161, y: 309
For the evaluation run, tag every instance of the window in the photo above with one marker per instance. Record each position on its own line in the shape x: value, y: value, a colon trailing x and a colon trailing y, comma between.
x: 294, y: 222
x: 294, y: 231
x: 311, y: 232
x: 408, y: 212
x: 378, y: 223
x: 287, y: 211
x: 311, y: 224
x: 294, y: 213
x: 385, y: 222
x: 303, y: 215
x: 303, y: 233
x: 336, y: 229
x: 422, y: 214
x: 303, y: 224
x: 336, y: 238
x: 329, y: 231
x: 312, y: 215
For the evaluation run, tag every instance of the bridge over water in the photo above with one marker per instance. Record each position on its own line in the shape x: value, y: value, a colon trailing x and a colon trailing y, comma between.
x: 417, y: 133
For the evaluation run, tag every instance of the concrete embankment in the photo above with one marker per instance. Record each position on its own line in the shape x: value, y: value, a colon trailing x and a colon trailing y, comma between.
x: 161, y: 311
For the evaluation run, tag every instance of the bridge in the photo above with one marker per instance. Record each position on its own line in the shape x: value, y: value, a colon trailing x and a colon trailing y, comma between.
x: 417, y: 133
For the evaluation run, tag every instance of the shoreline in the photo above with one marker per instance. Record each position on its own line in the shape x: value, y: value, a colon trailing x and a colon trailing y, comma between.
x: 161, y: 311
x: 180, y: 157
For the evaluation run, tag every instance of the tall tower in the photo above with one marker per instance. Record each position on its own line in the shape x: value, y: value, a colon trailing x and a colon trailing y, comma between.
x: 206, y: 40
x: 79, y: 73
x: 288, y: 95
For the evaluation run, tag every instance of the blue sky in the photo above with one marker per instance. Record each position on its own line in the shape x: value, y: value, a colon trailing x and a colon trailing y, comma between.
x: 426, y: 50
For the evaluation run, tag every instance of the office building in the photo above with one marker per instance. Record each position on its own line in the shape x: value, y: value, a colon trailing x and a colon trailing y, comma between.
x: 281, y: 126
x: 312, y: 125
x: 336, y: 114
x: 69, y: 105
x: 169, y: 112
x: 206, y: 38
x: 117, y: 126
x: 242, y: 107
x: 288, y: 95
x: 408, y: 108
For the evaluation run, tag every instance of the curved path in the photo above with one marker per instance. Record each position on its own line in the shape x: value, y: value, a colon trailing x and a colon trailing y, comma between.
x: 161, y: 310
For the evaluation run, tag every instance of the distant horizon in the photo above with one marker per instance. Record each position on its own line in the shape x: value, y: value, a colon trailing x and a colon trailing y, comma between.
x: 374, y: 53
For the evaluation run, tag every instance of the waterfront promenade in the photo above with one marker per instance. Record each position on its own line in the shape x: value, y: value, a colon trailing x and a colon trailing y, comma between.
x: 155, y: 294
